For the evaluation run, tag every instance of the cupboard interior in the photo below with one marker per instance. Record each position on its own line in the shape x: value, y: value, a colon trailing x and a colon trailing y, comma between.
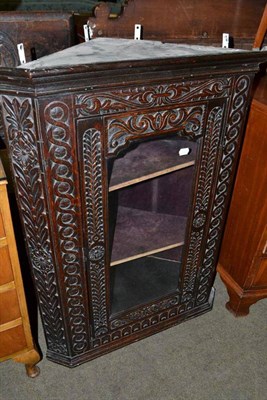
x: 150, y: 186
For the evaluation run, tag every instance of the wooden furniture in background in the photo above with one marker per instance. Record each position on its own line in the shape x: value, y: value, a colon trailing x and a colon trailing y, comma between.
x: 41, y: 33
x: 183, y: 21
x: 243, y: 259
x: 15, y: 334
x: 261, y: 31
x: 123, y: 234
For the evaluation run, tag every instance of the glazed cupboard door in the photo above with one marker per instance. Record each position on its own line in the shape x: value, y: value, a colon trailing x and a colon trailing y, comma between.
x: 153, y: 210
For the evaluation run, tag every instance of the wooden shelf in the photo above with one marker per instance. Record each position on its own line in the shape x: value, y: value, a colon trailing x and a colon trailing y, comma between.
x: 149, y: 160
x: 140, y: 233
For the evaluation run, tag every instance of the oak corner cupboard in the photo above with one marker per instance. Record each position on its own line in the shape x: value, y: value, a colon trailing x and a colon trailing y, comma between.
x: 123, y: 154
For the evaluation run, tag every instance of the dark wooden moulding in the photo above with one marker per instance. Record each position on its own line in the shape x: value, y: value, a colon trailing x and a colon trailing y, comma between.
x: 57, y: 131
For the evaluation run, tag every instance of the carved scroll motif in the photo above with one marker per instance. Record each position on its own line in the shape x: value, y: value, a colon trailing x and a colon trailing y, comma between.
x: 230, y: 147
x: 151, y: 96
x: 8, y: 51
x: 203, y: 198
x: 22, y: 141
x: 66, y: 209
x: 92, y: 159
x: 186, y: 121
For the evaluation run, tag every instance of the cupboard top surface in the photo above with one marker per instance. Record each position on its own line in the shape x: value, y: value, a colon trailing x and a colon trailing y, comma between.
x: 104, y: 50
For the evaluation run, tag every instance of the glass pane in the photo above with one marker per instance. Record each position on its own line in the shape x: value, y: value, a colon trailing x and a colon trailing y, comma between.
x: 149, y: 196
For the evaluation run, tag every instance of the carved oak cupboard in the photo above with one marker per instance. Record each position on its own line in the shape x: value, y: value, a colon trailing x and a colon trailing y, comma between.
x: 123, y: 154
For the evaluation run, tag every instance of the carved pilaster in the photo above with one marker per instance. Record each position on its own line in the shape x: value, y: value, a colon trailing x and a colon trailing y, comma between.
x: 64, y: 194
x: 207, y: 170
x: 92, y: 161
x: 22, y: 143
x: 231, y: 143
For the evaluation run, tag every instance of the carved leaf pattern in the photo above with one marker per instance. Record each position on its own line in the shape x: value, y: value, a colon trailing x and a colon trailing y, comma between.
x: 66, y: 209
x: 27, y: 172
x: 151, y: 96
x: 230, y: 147
x: 203, y: 196
x: 95, y: 228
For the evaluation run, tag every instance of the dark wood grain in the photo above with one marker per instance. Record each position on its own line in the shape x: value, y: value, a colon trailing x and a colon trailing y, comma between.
x: 64, y: 126
x: 199, y: 22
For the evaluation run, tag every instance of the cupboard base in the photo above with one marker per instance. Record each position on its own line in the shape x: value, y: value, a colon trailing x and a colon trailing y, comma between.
x: 72, y: 362
x: 240, y: 299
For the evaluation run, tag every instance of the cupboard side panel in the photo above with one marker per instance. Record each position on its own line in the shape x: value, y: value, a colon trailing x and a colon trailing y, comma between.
x: 24, y: 151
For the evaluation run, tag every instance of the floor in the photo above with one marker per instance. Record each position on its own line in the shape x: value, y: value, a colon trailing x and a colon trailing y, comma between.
x: 214, y: 356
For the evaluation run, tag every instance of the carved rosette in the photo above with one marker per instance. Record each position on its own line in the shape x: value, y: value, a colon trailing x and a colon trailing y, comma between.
x: 230, y: 149
x: 92, y: 161
x: 151, y: 96
x: 22, y: 143
x: 207, y: 171
x: 64, y: 193
x: 185, y: 121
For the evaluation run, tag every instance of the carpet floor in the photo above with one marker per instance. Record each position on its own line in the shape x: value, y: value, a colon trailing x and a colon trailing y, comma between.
x: 212, y: 357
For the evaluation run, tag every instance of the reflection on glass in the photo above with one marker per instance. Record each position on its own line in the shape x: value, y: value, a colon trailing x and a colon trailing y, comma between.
x: 149, y: 195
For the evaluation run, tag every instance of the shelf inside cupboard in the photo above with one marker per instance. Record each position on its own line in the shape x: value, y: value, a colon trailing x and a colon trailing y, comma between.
x: 149, y: 160
x: 140, y: 233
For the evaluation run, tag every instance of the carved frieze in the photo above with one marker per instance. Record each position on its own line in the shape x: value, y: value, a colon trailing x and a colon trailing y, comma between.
x: 151, y: 96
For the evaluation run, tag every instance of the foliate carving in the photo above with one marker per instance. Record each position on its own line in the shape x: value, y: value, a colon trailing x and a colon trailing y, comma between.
x: 151, y: 96
x: 8, y: 51
x: 203, y: 198
x: 66, y: 210
x: 27, y: 172
x: 187, y: 121
x: 144, y: 312
x: 152, y: 319
x: 230, y: 146
x: 92, y: 159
